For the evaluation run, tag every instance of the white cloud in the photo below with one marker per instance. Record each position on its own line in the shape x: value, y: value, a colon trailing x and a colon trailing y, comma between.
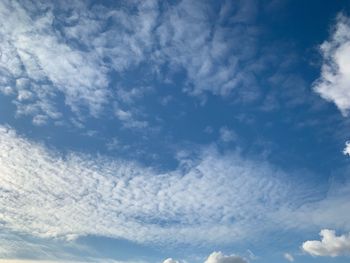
x: 67, y: 60
x: 170, y: 260
x: 48, y: 195
x: 334, y: 82
x: 289, y: 257
x: 128, y: 119
x: 34, y: 51
x: 74, y: 58
x: 191, y: 38
x: 218, y: 257
x: 330, y: 245
x: 346, y: 150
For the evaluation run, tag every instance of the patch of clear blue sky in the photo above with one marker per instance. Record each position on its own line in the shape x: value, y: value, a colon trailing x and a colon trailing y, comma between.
x: 298, y: 135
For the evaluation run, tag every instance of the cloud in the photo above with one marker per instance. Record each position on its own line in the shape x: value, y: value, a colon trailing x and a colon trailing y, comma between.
x: 128, y: 120
x: 330, y: 245
x: 320, y: 208
x: 45, y: 194
x: 66, y: 52
x: 34, y: 53
x: 227, y: 135
x: 170, y: 260
x: 334, y: 82
x: 215, y: 62
x: 288, y: 257
x: 96, y: 260
x: 218, y: 257
x: 346, y: 150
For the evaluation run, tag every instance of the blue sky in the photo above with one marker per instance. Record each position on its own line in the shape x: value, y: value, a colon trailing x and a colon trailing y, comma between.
x: 174, y: 131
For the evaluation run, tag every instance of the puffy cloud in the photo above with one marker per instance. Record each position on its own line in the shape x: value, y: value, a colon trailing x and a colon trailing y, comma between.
x: 346, y: 150
x: 330, y: 245
x: 209, y: 201
x: 218, y: 257
x: 289, y: 257
x: 334, y: 82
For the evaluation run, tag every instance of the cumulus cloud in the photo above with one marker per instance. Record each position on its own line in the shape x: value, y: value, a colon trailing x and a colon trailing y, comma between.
x: 346, y: 150
x: 330, y: 245
x: 334, y: 82
x: 48, y: 195
x: 289, y: 257
x: 219, y: 257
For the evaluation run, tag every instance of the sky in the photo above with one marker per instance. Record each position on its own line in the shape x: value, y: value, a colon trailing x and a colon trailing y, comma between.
x: 177, y: 131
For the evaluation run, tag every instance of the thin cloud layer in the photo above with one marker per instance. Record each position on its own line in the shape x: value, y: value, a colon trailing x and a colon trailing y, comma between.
x: 210, y: 201
x: 334, y: 83
x: 330, y: 245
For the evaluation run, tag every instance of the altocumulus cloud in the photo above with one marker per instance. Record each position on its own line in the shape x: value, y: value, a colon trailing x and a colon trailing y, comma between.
x: 330, y: 245
x: 48, y: 195
x: 71, y: 48
x: 334, y: 83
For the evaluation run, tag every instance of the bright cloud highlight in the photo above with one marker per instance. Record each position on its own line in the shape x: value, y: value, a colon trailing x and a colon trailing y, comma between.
x: 330, y: 245
x: 334, y: 83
